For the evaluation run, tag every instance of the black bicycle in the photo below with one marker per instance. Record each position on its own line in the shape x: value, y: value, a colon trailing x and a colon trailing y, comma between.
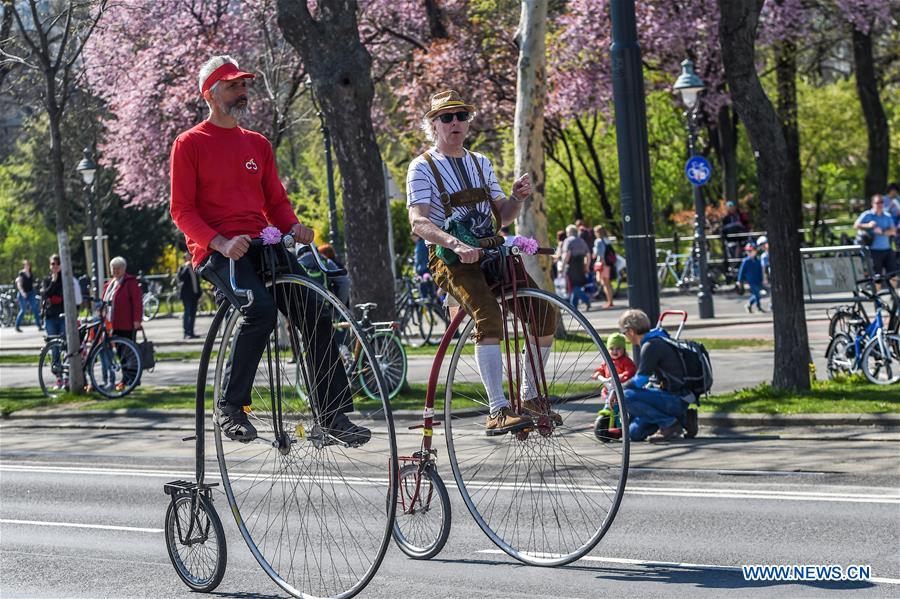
x: 112, y: 364
x: 315, y: 512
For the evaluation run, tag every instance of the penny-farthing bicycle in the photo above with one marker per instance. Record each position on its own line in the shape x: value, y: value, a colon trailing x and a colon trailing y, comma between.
x: 546, y: 494
x: 315, y: 512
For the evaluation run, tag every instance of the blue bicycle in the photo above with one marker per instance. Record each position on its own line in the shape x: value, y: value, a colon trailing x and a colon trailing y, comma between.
x: 864, y: 344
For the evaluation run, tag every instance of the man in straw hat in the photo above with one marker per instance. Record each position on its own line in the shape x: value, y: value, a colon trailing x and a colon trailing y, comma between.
x: 448, y: 189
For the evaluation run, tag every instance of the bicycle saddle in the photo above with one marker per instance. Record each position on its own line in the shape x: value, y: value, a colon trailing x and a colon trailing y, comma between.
x: 366, y: 307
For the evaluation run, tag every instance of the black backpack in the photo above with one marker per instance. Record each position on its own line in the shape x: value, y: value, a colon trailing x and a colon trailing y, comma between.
x: 696, y: 368
x: 609, y: 255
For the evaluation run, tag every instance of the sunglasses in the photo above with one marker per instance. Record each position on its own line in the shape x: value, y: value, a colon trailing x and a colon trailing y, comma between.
x: 461, y: 116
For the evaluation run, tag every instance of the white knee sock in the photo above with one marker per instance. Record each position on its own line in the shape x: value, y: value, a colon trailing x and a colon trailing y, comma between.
x: 531, y: 382
x: 490, y: 368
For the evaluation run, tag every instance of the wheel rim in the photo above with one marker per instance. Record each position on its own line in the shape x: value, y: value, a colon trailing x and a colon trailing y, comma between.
x: 391, y: 363
x: 543, y: 500
x: 838, y: 359
x: 200, y: 562
x: 422, y: 519
x: 317, y: 519
x: 115, y: 367
x: 53, y: 369
x: 881, y: 360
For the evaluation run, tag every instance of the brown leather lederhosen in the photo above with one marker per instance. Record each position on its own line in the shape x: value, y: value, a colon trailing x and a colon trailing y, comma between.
x: 466, y: 282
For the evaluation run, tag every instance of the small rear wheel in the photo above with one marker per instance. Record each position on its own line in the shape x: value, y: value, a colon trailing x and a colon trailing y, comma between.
x: 422, y: 522
x: 840, y: 358
x: 196, y: 545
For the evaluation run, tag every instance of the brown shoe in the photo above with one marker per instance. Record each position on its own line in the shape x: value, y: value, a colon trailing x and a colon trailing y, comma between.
x: 504, y: 421
x: 666, y: 434
x: 534, y: 409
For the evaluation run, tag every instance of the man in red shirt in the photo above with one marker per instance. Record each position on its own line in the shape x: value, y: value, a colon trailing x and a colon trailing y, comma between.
x: 225, y: 190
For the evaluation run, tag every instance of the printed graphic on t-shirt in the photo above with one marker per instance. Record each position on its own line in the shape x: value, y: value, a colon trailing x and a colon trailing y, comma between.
x: 479, y: 223
x: 251, y: 165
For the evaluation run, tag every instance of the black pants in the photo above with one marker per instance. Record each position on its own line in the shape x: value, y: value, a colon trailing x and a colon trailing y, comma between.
x: 330, y: 389
x: 882, y: 261
x: 190, y: 313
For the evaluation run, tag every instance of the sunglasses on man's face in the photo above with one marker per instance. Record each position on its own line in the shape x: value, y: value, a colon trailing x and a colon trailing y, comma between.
x: 461, y: 116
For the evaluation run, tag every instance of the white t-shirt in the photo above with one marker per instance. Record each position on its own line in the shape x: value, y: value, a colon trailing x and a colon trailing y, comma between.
x: 457, y: 174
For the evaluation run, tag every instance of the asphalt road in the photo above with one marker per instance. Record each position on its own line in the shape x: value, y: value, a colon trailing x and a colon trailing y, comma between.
x: 81, y: 513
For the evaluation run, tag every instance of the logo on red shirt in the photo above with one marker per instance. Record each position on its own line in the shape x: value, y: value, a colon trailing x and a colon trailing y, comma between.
x: 251, y: 165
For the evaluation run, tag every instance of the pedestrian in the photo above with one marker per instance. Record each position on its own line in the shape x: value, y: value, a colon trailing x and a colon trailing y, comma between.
x: 225, y: 190
x: 125, y: 308
x: 420, y: 266
x: 751, y: 273
x: 586, y: 233
x: 337, y: 284
x: 762, y: 249
x: 189, y: 291
x: 875, y: 228
x: 53, y: 308
x: 27, y: 296
x: 456, y: 204
x: 892, y: 207
x: 652, y: 399
x: 604, y: 262
x: 576, y: 258
x: 625, y: 368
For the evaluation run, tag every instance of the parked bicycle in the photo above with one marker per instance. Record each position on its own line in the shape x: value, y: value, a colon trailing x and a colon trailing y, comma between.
x: 390, y: 357
x: 315, y: 512
x: 863, y: 343
x: 150, y: 300
x: 112, y: 364
x: 546, y: 494
x: 416, y: 315
x: 9, y: 307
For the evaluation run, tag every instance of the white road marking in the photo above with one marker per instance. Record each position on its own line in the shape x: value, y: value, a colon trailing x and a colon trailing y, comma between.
x: 880, y: 496
x: 78, y: 525
x: 641, y: 562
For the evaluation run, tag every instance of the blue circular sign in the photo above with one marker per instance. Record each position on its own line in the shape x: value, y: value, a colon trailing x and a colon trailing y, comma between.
x: 698, y: 170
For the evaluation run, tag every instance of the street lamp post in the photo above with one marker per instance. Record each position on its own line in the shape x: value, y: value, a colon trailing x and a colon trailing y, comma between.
x: 87, y: 169
x: 333, y: 235
x: 689, y: 85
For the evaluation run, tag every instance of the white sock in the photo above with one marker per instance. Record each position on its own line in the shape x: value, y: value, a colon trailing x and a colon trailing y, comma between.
x: 490, y: 368
x: 531, y: 382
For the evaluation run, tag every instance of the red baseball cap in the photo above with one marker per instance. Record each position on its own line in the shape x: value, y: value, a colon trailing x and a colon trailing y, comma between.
x: 226, y: 72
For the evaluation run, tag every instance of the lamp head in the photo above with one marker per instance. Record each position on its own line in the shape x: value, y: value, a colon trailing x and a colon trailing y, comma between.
x: 86, y: 168
x: 688, y: 84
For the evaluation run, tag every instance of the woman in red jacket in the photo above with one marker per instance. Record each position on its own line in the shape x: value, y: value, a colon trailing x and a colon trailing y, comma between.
x: 122, y: 292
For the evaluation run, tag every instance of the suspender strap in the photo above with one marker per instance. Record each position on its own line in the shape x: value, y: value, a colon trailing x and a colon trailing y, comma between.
x: 442, y: 191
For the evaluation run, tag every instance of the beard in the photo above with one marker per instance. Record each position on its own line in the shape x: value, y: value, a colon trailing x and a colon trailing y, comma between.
x: 239, y: 109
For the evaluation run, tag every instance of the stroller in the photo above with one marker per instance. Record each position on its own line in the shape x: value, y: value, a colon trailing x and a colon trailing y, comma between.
x: 608, y: 424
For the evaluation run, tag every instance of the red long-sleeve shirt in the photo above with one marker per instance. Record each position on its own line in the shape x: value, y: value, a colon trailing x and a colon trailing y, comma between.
x: 225, y: 182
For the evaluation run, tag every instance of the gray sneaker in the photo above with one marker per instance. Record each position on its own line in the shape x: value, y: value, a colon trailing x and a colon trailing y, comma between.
x: 666, y: 434
x: 235, y: 425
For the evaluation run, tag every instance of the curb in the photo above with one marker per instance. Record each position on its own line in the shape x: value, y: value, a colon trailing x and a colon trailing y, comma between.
x: 714, y: 419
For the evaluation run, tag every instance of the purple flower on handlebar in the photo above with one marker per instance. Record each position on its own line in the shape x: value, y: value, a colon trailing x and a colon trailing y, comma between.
x: 271, y: 235
x: 526, y: 244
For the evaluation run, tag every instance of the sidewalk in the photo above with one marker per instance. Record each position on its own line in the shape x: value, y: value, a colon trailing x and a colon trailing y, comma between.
x: 166, y: 332
x: 866, y: 427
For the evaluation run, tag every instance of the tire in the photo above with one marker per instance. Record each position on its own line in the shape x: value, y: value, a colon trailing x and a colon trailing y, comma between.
x: 114, y: 367
x: 546, y: 496
x: 840, y: 357
x: 53, y: 368
x: 391, y: 362
x: 151, y: 307
x: 200, y: 563
x: 422, y: 522
x: 841, y: 322
x: 881, y: 360
x: 316, y: 516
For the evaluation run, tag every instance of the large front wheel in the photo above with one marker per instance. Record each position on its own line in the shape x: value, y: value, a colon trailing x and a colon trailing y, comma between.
x: 548, y: 494
x: 316, y: 512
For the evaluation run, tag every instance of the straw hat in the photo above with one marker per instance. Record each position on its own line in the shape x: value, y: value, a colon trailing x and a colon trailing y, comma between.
x: 447, y: 99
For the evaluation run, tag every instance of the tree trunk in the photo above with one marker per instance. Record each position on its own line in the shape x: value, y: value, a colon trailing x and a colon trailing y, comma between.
x: 596, y: 175
x: 737, y: 32
x: 528, y: 131
x: 73, y: 342
x: 873, y: 110
x: 340, y: 69
x: 727, y: 138
x: 786, y: 77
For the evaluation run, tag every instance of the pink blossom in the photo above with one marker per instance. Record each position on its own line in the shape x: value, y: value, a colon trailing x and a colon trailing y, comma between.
x: 271, y: 235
